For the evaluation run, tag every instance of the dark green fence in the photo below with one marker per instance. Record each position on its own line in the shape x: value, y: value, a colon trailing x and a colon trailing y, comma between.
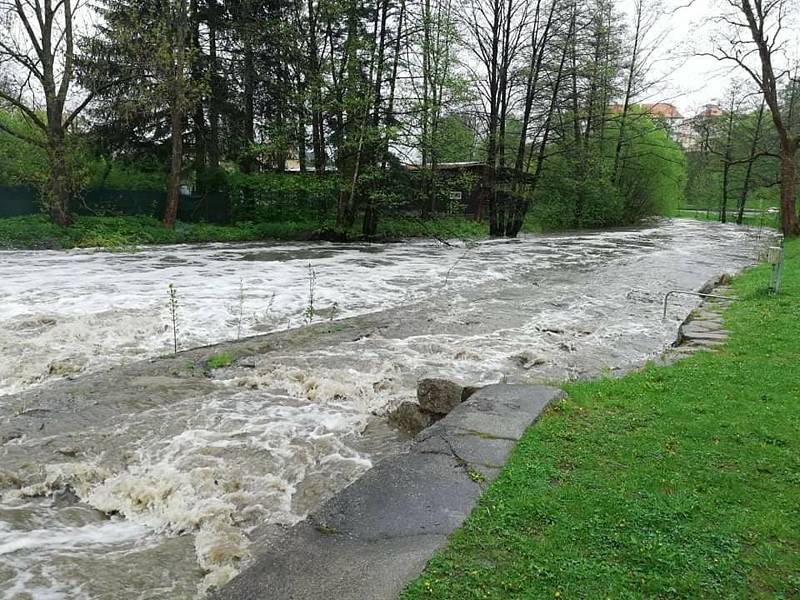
x: 18, y: 201
x: 211, y: 207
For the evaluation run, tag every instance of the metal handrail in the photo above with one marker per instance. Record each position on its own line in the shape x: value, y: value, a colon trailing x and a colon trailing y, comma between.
x: 715, y: 296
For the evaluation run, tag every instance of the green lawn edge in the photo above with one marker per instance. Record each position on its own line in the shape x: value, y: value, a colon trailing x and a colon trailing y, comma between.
x: 672, y: 482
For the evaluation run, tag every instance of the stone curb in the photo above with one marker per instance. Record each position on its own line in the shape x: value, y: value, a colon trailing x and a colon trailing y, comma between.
x: 375, y: 536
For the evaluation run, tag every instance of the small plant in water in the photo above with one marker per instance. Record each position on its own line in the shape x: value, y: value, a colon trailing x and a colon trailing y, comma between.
x: 173, y: 312
x: 308, y: 313
x: 265, y: 316
x: 240, y: 312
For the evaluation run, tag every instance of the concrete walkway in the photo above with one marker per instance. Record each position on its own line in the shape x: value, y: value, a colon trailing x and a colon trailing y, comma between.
x: 376, y: 536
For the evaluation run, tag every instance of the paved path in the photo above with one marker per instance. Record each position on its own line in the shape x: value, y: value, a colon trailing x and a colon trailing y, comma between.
x: 376, y: 536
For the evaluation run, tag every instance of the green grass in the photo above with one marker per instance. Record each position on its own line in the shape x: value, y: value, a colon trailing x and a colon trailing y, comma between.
x: 443, y: 227
x: 120, y: 233
x: 673, y: 482
x: 765, y: 220
x: 219, y: 361
x: 125, y: 232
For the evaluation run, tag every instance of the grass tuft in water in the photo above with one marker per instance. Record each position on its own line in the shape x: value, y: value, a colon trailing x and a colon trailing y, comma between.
x: 220, y: 361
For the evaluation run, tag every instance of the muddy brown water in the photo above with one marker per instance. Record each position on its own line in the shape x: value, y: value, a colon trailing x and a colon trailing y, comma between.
x: 136, y: 478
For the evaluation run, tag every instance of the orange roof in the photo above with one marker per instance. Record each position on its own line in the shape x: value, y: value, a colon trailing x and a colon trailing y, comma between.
x: 660, y: 109
x: 711, y: 110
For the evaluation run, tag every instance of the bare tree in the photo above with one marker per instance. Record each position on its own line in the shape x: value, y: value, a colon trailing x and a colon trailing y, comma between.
x: 751, y: 159
x: 754, y: 41
x: 498, y: 30
x: 37, y: 58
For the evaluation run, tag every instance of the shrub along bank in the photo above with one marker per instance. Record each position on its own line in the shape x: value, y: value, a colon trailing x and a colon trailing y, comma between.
x: 123, y: 232
x: 673, y: 482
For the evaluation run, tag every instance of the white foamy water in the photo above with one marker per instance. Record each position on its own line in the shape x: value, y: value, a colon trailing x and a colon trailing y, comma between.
x: 189, y: 481
x: 63, y: 313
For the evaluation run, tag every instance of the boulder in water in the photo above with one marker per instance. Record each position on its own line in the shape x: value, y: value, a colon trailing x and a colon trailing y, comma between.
x: 439, y: 396
x: 410, y: 418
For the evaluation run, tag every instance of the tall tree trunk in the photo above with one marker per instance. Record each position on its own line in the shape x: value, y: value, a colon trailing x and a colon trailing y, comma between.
x: 494, y: 115
x: 58, y: 188
x: 215, y: 100
x: 249, y: 126
x: 751, y: 159
x: 538, y: 46
x: 756, y: 23
x: 174, y: 185
x: 789, y: 221
x: 313, y: 80
x: 178, y: 109
x: 199, y: 118
x: 390, y: 116
x: 628, y: 91
x: 726, y: 163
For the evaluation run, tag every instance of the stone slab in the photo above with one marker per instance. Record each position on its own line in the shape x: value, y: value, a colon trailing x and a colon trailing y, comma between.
x: 375, y: 536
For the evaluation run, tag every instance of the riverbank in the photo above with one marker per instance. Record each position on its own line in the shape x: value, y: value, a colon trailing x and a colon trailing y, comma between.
x: 37, y: 232
x: 751, y: 219
x: 670, y: 482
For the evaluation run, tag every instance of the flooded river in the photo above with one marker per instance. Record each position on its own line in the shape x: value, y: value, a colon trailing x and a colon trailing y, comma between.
x: 160, y: 496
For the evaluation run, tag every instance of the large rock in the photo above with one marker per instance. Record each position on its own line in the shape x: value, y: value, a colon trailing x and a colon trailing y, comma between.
x: 439, y: 396
x: 410, y: 418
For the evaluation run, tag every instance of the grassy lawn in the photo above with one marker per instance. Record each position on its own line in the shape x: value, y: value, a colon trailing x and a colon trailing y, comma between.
x: 673, y: 482
x: 754, y: 220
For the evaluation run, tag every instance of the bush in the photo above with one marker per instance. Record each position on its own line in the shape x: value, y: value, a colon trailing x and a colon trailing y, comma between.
x: 282, y: 196
x: 29, y: 232
x: 115, y: 175
x: 581, y: 191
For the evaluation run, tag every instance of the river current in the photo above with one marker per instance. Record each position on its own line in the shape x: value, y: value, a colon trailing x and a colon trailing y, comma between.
x: 165, y: 498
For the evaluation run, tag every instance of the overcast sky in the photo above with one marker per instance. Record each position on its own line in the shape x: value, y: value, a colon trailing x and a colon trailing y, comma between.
x: 691, y: 81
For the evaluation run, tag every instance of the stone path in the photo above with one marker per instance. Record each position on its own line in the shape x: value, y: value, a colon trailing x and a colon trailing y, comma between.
x: 377, y: 535
x: 703, y: 329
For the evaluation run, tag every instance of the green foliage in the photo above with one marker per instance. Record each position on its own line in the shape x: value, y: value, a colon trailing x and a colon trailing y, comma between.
x: 704, y: 181
x: 455, y: 141
x: 30, y: 232
x: 763, y: 219
x: 579, y: 189
x: 282, y: 196
x: 26, y: 164
x: 673, y: 482
x: 397, y: 228
x: 124, y: 233
x: 653, y: 176
x: 115, y: 175
x: 21, y: 163
x: 704, y: 188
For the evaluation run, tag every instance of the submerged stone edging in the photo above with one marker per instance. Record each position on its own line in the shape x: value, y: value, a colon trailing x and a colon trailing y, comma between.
x: 704, y: 328
x: 376, y: 535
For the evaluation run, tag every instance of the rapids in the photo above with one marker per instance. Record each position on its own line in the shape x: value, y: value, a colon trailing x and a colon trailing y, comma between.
x: 164, y: 498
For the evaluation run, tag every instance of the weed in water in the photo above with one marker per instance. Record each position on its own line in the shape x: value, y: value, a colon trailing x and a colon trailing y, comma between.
x: 173, y: 311
x: 265, y: 315
x: 240, y: 310
x: 308, y: 313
